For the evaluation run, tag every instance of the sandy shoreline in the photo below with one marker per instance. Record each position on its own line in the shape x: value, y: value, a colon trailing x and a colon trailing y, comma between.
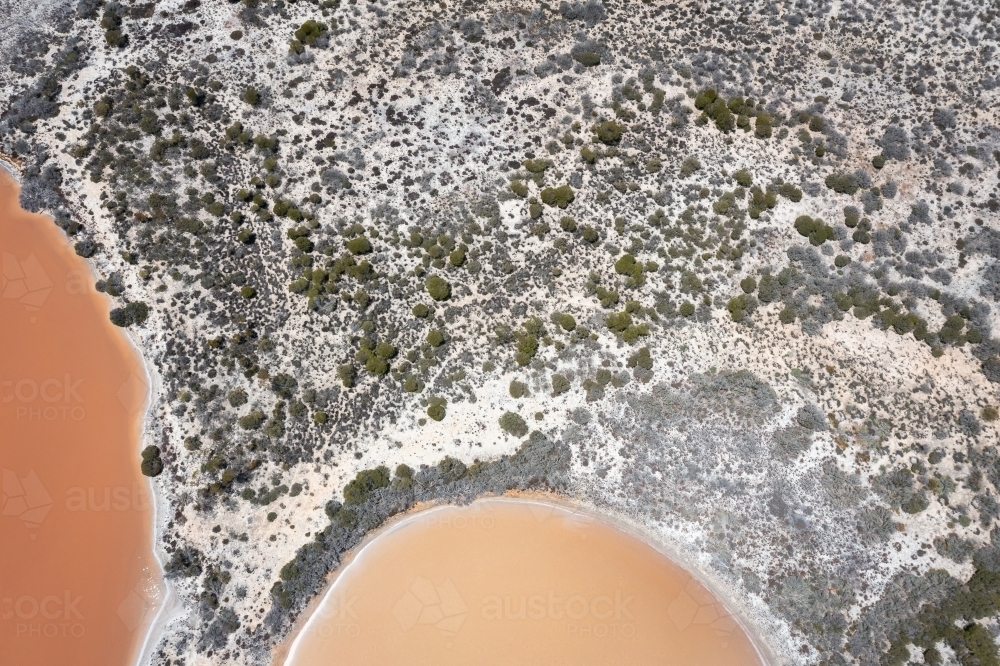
x: 285, y: 651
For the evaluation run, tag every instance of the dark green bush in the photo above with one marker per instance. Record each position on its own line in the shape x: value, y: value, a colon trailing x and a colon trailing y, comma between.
x: 609, y: 132
x: 310, y: 31
x: 438, y: 288
x: 791, y: 192
x: 518, y: 389
x: 436, y: 408
x: 135, y: 313
x: 435, y: 337
x: 537, y: 165
x: 842, y: 183
x: 814, y: 229
x: 252, y: 420
x: 513, y: 424
x: 560, y: 196
x: 365, y: 483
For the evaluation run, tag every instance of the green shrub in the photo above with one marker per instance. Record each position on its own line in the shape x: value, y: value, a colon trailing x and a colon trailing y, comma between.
x: 990, y: 413
x: 385, y: 350
x: 252, y: 421
x: 763, y: 126
x: 588, y: 156
x: 724, y: 119
x: 619, y: 321
x: 851, y: 216
x: 560, y: 196
x: 748, y: 285
x: 641, y: 359
x: 791, y: 192
x: 359, y: 245
x: 628, y: 266
x: 237, y: 397
x: 609, y: 132
x: 251, y: 96
x: 743, y: 178
x: 537, y: 165
x: 422, y: 311
x: 346, y: 374
x: 435, y: 337
x: 560, y: 384
x: 320, y: 417
x: 310, y: 31
x: 438, y: 288
x: 365, y: 483
x: 519, y: 188
x: 457, y: 257
x: 134, y: 313
x: 878, y: 161
x: 704, y: 98
x: 152, y: 467
x: 518, y: 389
x: 436, y: 411
x: 814, y: 229
x: 689, y: 166
x: 568, y: 223
x: 841, y: 261
x: 686, y: 309
x: 513, y: 424
x: 567, y: 321
x: 588, y: 58
x: 654, y: 165
x: 787, y: 315
x: 590, y: 234
x: 842, y: 183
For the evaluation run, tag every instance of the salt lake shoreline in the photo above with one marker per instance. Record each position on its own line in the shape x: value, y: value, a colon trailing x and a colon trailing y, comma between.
x: 159, y: 504
x: 285, y: 651
x: 170, y: 607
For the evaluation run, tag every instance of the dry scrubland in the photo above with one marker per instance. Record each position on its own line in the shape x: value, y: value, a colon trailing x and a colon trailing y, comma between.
x: 728, y: 271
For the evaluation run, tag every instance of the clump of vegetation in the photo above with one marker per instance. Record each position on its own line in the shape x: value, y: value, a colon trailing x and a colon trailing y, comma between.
x: 817, y: 231
x: 359, y: 245
x: 513, y: 424
x: 536, y: 165
x: 526, y: 340
x: 151, y: 464
x: 629, y: 267
x: 560, y: 384
x: 133, y: 314
x: 365, y: 483
x: 438, y: 288
x: 640, y: 359
x: 561, y: 196
x: 310, y: 31
x: 689, y: 166
x: 609, y: 132
x: 518, y: 389
x: 436, y: 407
x: 842, y: 183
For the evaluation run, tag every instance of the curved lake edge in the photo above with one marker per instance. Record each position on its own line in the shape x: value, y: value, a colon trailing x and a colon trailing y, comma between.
x: 169, y: 603
x: 284, y: 652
